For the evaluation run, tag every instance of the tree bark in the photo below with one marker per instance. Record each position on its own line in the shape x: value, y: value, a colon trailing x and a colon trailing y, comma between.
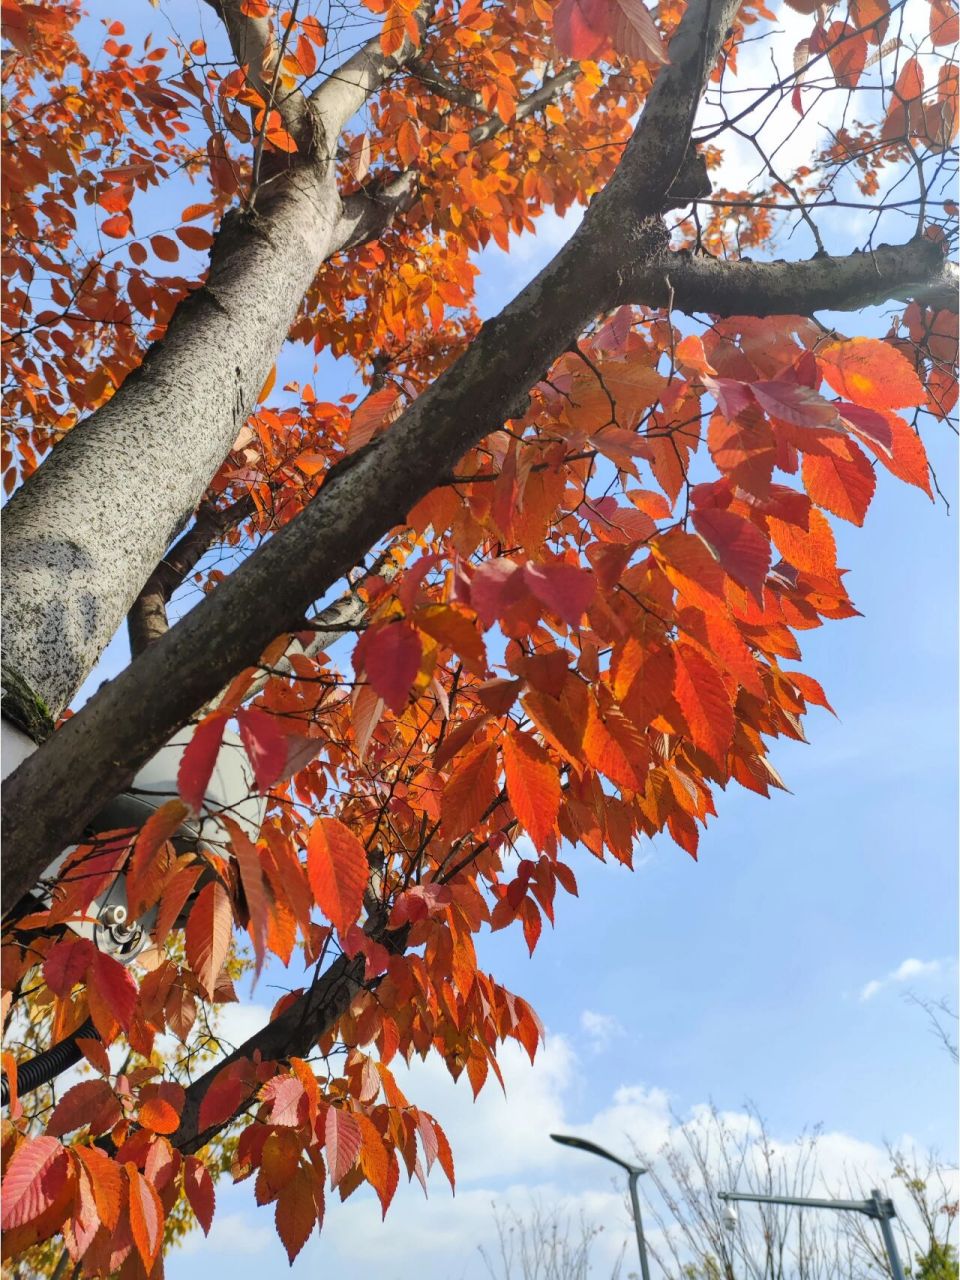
x: 82, y: 536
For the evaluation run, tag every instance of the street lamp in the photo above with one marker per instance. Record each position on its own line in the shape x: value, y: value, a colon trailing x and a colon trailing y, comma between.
x: 633, y: 1172
x: 876, y: 1207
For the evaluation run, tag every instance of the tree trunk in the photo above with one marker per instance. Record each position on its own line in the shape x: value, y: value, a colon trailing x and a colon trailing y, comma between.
x: 84, y: 533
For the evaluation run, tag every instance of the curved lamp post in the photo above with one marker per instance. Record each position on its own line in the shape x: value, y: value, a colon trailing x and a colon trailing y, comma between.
x: 633, y: 1172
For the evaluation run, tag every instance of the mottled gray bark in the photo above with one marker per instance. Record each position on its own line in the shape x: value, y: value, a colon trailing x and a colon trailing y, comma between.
x: 83, y: 535
x: 85, y: 532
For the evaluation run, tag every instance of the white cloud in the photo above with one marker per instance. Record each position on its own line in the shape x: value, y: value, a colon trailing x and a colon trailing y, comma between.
x: 904, y: 972
x: 601, y: 1029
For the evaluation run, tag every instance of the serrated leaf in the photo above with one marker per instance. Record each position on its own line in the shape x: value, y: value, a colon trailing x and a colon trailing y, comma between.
x: 704, y: 701
x: 199, y: 1190
x: 254, y: 889
x: 533, y: 786
x: 738, y: 544
x: 391, y: 655
x: 199, y: 759
x: 296, y: 1213
x: 338, y: 871
x: 146, y: 1216
x: 842, y: 484
x: 871, y: 373
x: 88, y: 1103
x: 343, y: 1139
x: 265, y: 744
x: 32, y: 1180
x: 469, y: 791
x: 565, y: 589
x: 208, y: 932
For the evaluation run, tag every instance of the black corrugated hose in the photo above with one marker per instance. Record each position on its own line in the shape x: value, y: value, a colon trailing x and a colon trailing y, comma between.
x: 41, y: 1069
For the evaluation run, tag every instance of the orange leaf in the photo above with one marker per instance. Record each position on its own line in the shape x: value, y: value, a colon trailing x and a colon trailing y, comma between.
x: 871, y: 373
x: 208, y: 935
x: 296, y: 1212
x: 469, y: 791
x: 165, y: 248
x: 146, y: 1216
x: 378, y: 410
x: 704, y: 701
x: 533, y: 786
x: 254, y: 889
x: 338, y: 871
x: 843, y: 485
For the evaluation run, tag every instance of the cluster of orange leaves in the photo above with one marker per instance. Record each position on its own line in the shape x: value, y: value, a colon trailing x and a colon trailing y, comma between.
x: 578, y: 636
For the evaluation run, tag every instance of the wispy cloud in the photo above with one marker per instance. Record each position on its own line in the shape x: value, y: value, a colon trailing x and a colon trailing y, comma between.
x: 905, y: 972
x: 600, y: 1029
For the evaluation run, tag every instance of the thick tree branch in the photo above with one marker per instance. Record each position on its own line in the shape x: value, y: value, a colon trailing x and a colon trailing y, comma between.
x: 363, y: 74
x: 367, y: 213
x: 695, y: 284
x: 97, y: 752
x: 147, y: 619
x: 254, y: 46
x: 292, y: 1035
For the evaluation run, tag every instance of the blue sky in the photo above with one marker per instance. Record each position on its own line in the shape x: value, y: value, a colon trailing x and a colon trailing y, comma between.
x: 746, y: 975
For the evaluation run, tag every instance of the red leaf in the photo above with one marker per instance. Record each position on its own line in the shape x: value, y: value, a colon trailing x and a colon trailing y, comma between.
x: 338, y: 871
x: 533, y: 786
x: 112, y: 988
x: 635, y: 33
x: 391, y: 656
x: 869, y: 424
x: 738, y: 544
x: 32, y: 1181
x: 843, y: 485
x: 580, y: 28
x: 208, y: 935
x: 66, y: 964
x: 343, y: 1138
x: 198, y: 1186
x: 565, y: 589
x: 286, y: 1098
x: 199, y: 758
x: 495, y: 586
x: 704, y: 702
x: 791, y: 402
x: 89, y: 1103
x: 265, y: 744
x: 225, y: 1096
